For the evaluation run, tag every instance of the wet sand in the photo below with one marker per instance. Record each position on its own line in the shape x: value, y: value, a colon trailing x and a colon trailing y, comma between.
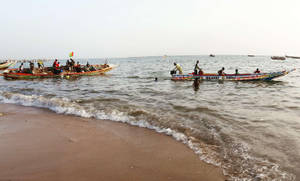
x: 37, y: 144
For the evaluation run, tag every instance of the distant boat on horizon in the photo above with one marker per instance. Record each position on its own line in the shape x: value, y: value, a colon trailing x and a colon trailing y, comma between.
x: 292, y: 57
x: 251, y: 55
x: 211, y: 55
x: 278, y: 58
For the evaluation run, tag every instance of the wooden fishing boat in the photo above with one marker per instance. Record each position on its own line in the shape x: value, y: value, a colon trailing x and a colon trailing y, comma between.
x: 5, y: 65
x: 277, y: 58
x: 232, y: 77
x: 48, y: 73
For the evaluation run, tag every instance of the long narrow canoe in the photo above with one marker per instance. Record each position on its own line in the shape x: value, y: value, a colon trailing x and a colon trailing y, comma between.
x: 13, y: 74
x: 232, y: 77
x: 5, y: 65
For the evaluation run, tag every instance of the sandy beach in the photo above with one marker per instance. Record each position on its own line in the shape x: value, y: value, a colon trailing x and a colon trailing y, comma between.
x: 37, y: 144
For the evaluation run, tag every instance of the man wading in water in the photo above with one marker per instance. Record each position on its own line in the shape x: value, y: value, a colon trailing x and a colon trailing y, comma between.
x: 196, y: 84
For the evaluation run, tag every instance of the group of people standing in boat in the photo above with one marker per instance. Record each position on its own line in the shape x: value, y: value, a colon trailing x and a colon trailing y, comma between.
x: 57, y: 68
x: 199, y: 71
x: 71, y: 66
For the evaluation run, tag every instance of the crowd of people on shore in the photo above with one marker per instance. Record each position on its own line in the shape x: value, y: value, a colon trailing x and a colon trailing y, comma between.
x: 57, y: 68
x: 199, y: 71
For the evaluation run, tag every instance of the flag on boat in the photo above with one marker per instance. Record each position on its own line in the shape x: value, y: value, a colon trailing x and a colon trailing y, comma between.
x: 71, y: 54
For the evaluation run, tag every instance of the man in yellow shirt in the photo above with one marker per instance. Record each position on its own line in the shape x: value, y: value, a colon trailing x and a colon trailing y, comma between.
x: 178, y: 67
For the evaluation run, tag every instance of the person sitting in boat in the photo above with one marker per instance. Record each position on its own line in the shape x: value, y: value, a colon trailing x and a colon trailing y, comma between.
x: 56, y: 69
x: 57, y: 66
x: 54, y: 63
x: 221, y: 72
x: 86, y: 67
x: 31, y: 65
x: 196, y: 68
x: 105, y: 64
x: 71, y: 64
x: 92, y: 68
x: 236, y: 71
x: 78, y: 67
x: 40, y: 65
x: 21, y: 67
x: 257, y: 71
x: 68, y: 63
x: 177, y: 67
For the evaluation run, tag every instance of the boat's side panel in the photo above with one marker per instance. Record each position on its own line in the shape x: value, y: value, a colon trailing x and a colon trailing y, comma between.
x: 232, y: 77
x: 96, y: 72
x: 28, y: 76
x: 10, y: 75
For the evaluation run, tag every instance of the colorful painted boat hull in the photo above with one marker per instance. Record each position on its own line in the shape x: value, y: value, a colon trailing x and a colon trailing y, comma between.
x: 232, y: 77
x: 11, y: 75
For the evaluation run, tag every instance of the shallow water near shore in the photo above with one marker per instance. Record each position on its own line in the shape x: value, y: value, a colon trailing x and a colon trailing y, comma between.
x: 250, y: 129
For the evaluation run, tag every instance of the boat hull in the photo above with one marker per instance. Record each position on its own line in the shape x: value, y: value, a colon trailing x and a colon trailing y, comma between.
x: 12, y: 75
x: 6, y: 65
x: 278, y: 58
x: 231, y: 77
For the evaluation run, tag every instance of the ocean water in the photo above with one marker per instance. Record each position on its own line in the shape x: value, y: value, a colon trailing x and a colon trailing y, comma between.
x: 249, y: 129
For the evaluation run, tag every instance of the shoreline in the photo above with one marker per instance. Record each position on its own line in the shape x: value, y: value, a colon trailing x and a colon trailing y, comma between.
x: 38, y: 144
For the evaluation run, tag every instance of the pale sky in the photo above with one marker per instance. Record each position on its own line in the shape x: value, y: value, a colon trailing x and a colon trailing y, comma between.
x: 125, y: 28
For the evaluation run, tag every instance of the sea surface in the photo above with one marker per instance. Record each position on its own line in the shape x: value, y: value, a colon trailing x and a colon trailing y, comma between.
x: 249, y: 129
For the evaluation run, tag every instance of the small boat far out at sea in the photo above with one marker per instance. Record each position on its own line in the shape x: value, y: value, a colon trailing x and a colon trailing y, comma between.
x: 251, y: 55
x: 294, y: 57
x: 212, y: 55
x: 278, y: 58
x: 232, y: 77
x: 48, y: 72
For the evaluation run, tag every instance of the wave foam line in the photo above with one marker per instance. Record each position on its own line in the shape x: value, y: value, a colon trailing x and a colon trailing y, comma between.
x: 66, y: 106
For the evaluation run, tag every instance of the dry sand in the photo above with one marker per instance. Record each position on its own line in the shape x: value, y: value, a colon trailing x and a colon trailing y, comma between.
x: 37, y: 144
